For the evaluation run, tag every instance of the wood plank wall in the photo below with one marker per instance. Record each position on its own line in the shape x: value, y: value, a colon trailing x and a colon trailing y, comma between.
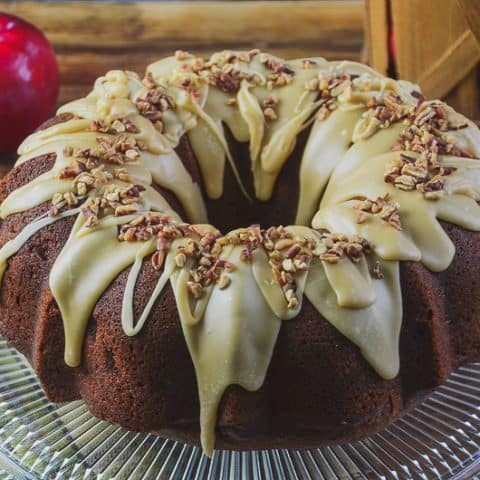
x: 93, y: 37
x: 436, y: 47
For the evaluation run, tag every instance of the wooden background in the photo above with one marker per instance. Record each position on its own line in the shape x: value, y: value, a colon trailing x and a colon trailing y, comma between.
x: 437, y: 45
x: 93, y: 37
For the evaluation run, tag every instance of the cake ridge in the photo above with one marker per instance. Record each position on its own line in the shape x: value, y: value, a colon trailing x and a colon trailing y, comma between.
x: 121, y: 141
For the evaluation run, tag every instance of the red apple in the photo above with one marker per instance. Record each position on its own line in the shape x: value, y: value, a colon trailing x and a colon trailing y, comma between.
x: 28, y: 80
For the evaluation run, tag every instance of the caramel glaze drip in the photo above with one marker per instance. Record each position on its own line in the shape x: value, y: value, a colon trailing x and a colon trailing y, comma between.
x: 381, y: 166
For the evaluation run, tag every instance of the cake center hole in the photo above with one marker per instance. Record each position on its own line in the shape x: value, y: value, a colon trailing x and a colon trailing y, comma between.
x: 233, y: 210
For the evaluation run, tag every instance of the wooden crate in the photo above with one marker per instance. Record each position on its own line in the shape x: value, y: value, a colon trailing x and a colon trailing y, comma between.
x: 437, y: 46
x: 93, y: 37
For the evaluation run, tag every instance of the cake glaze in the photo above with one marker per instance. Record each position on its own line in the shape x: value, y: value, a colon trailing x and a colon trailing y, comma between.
x: 380, y: 167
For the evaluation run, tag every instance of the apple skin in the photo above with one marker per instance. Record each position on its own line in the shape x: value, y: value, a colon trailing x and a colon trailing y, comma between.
x: 29, y: 80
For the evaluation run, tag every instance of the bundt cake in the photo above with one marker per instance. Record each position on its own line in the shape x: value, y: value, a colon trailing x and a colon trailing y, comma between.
x: 248, y: 334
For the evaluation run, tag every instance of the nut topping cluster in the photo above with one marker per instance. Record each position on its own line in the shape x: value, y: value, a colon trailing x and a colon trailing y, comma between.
x: 268, y: 107
x: 281, y: 74
x: 226, y: 78
x: 119, y: 125
x: 381, y: 207
x: 154, y: 102
x: 116, y: 150
x: 220, y: 71
x: 199, y: 253
x: 425, y: 136
x: 119, y: 200
x: 88, y: 174
x: 383, y: 112
x: 333, y: 246
x: 288, y: 255
x: 330, y: 86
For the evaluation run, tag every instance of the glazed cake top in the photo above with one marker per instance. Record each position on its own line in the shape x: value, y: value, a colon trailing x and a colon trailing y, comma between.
x: 381, y: 166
